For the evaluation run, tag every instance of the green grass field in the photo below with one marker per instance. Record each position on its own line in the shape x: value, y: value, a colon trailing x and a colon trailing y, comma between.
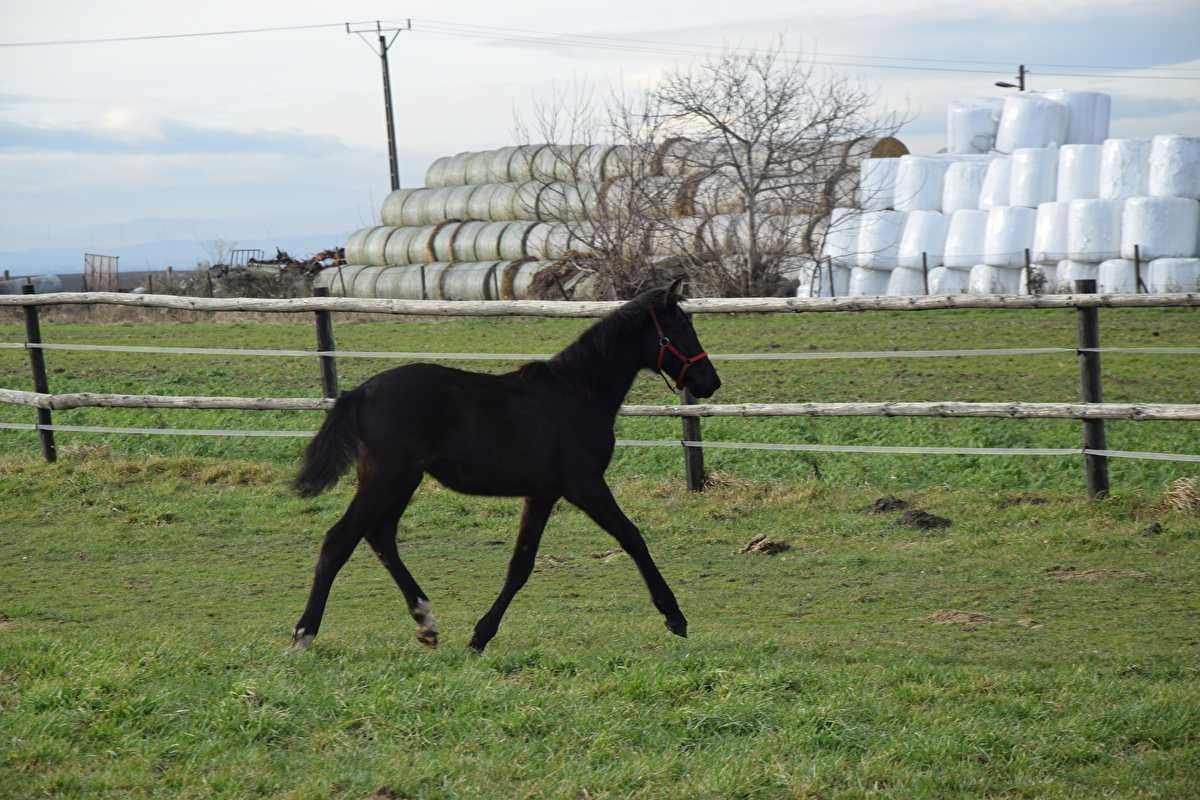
x: 1041, y: 646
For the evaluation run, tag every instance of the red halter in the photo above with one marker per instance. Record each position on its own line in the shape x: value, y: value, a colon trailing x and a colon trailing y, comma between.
x: 665, y: 346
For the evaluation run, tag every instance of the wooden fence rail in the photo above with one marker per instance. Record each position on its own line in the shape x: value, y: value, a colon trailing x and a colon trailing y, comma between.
x: 1141, y: 412
x: 572, y: 309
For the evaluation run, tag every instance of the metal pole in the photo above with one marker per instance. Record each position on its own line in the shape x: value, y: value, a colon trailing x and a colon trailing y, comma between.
x: 387, y: 107
x: 1021, y: 77
x: 1028, y: 274
x: 693, y: 457
x: 33, y: 335
x: 1090, y: 391
x: 1138, y: 286
x: 325, y: 345
x: 925, y: 269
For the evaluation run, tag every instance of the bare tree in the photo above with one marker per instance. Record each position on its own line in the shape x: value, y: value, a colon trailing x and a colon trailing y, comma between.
x: 728, y: 169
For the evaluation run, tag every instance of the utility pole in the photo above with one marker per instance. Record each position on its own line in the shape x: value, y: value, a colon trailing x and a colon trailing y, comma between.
x: 384, y: 45
x: 1020, y: 84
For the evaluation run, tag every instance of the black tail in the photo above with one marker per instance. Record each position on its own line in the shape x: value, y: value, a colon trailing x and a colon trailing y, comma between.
x: 332, y: 450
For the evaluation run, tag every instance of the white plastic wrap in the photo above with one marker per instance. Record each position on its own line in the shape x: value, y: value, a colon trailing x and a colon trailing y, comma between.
x: 965, y: 238
x: 1050, y: 233
x: 924, y: 232
x: 879, y: 236
x: 1161, y: 227
x: 1116, y: 276
x: 1124, y: 168
x: 1034, y: 176
x: 1175, y: 275
x: 1087, y: 115
x: 963, y: 185
x: 877, y: 183
x: 945, y: 280
x: 1094, y: 230
x: 1043, y: 276
x: 1078, y: 172
x: 988, y: 279
x: 971, y: 124
x: 867, y: 282
x: 841, y: 237
x: 919, y: 183
x: 1070, y: 271
x: 906, y: 282
x: 1031, y: 120
x: 996, y: 182
x: 1175, y: 166
x: 1010, y: 231
x: 828, y: 281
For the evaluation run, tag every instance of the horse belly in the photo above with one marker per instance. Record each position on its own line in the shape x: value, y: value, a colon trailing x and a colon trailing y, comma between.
x: 499, y: 466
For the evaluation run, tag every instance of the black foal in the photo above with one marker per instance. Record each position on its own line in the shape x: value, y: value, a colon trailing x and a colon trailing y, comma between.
x: 542, y: 432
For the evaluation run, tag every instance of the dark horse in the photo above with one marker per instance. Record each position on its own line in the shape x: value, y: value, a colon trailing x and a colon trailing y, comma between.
x: 542, y: 432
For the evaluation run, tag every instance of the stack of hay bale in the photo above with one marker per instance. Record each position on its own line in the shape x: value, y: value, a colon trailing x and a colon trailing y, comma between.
x: 486, y: 224
x: 1033, y: 172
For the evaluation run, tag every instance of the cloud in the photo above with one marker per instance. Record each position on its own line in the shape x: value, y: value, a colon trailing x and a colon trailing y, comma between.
x: 122, y: 134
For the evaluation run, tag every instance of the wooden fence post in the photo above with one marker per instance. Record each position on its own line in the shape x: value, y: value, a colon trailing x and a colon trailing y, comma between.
x: 925, y: 269
x: 325, y: 345
x: 693, y: 457
x: 1091, y: 391
x: 1138, y: 286
x: 37, y: 363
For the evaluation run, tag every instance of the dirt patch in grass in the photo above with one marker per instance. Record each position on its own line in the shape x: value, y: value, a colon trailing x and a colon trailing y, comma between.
x: 885, y: 504
x: 953, y: 616
x: 1072, y: 574
x: 923, y: 520
x: 761, y: 544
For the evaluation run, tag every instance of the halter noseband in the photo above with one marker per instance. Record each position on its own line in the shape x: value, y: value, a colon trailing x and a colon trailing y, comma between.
x: 665, y: 346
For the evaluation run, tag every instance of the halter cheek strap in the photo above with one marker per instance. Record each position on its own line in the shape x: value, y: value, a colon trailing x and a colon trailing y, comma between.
x: 665, y: 346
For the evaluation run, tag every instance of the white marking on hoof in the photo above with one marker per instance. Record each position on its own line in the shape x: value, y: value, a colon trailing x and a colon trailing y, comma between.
x: 427, y: 630
x: 302, y: 640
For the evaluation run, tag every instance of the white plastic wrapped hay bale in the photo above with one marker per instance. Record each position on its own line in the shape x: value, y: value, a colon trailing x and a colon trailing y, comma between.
x: 1030, y: 120
x: 963, y: 185
x: 478, y: 170
x: 965, y: 238
x: 1050, y: 233
x: 463, y: 243
x: 442, y: 244
x: 906, y: 282
x: 1079, y: 172
x: 407, y: 212
x: 1170, y: 275
x: 338, y: 280
x: 434, y: 172
x: 879, y: 234
x: 454, y: 171
x: 1087, y: 115
x: 945, y: 280
x: 1175, y: 166
x: 1069, y: 271
x: 1034, y: 176
x: 919, y: 183
x: 1010, y: 231
x: 1094, y: 230
x: 502, y: 204
x: 479, y: 205
x: 988, y: 279
x: 513, y: 240
x: 498, y: 165
x: 432, y: 208
x: 537, y: 240
x: 1038, y: 279
x: 996, y: 182
x: 924, y: 232
x: 1117, y: 276
x: 520, y: 164
x: 971, y: 124
x: 458, y: 201
x: 877, y: 183
x: 867, y: 282
x: 420, y: 246
x: 841, y: 237
x: 827, y: 280
x: 1124, y: 169
x: 375, y: 246
x: 1161, y: 227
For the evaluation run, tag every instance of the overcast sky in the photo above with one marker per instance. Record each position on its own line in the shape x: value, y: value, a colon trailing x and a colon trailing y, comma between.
x: 282, y: 134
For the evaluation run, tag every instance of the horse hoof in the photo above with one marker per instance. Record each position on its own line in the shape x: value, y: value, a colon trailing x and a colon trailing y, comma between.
x: 302, y: 641
x: 428, y: 637
x: 475, y: 648
x: 677, y: 625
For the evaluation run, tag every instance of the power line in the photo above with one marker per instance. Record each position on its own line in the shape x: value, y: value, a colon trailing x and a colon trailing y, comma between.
x: 546, y: 39
x: 159, y: 36
x: 798, y: 53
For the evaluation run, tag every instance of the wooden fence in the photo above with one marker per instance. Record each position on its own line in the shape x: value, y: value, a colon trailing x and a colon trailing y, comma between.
x: 1091, y: 411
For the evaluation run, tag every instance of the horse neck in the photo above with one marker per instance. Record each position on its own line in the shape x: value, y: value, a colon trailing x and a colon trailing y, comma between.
x: 604, y: 374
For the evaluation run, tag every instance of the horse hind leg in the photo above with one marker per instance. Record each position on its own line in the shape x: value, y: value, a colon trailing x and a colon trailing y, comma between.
x: 383, y: 541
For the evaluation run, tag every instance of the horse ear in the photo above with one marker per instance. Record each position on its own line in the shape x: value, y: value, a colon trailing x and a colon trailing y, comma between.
x: 672, y: 291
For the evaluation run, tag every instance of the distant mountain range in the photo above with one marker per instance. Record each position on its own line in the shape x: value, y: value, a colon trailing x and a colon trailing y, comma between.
x: 178, y: 253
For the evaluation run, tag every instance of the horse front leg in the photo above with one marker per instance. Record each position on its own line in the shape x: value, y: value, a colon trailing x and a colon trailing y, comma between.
x: 596, y: 500
x: 533, y: 522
